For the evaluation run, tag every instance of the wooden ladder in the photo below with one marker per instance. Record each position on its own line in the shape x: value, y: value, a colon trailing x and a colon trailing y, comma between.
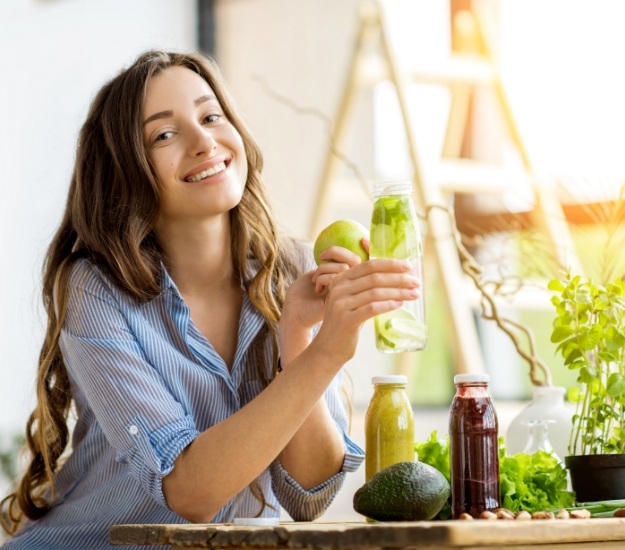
x: 373, y: 61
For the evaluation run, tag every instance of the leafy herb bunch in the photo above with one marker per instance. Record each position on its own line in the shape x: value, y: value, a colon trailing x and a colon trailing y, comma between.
x: 589, y: 329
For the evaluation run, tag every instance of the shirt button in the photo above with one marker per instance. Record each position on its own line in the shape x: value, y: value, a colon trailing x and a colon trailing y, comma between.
x: 133, y: 430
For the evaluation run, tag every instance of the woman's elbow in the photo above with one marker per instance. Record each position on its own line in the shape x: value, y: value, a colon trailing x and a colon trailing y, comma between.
x: 187, y: 504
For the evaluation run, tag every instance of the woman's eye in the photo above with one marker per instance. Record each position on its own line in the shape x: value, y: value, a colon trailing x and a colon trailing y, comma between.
x: 212, y: 118
x: 163, y: 136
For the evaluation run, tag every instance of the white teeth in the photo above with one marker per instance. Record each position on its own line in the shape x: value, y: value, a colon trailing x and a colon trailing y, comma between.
x: 208, y: 172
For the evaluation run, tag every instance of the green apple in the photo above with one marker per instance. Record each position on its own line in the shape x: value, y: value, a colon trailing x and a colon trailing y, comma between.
x: 345, y: 233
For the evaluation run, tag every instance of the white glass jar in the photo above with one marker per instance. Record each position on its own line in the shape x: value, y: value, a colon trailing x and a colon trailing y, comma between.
x: 547, y: 404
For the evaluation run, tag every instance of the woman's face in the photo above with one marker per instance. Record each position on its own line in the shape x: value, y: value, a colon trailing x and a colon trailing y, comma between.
x: 197, y: 154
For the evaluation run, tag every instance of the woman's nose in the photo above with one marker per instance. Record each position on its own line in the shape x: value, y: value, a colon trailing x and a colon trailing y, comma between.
x: 202, y: 141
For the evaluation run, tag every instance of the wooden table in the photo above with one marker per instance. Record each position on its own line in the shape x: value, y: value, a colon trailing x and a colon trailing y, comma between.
x: 544, y: 534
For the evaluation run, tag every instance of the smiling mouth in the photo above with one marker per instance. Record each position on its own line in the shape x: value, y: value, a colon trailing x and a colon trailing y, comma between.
x: 220, y: 167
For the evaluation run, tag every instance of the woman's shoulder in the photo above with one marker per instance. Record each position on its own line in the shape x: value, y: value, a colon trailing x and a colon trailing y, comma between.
x: 300, y: 252
x: 86, y: 276
x: 85, y: 273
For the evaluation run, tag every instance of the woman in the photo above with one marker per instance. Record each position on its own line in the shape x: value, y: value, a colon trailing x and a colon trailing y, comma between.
x: 196, y: 348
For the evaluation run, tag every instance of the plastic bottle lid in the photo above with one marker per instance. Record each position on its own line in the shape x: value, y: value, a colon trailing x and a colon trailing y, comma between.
x: 257, y: 521
x: 471, y: 377
x: 392, y: 188
x: 389, y: 379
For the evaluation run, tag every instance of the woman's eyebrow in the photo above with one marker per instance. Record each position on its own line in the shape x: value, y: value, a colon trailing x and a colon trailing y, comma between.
x: 204, y: 99
x: 169, y: 113
x: 156, y: 116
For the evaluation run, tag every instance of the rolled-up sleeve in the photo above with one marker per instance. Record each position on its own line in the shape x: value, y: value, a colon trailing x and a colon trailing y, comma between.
x: 152, y: 457
x: 304, y: 505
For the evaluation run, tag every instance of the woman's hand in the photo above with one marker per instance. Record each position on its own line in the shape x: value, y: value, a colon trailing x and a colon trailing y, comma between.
x: 353, y: 296
x: 304, y: 302
x: 337, y: 260
x: 304, y: 305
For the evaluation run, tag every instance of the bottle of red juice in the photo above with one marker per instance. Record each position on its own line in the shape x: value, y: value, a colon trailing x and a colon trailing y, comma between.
x: 473, y: 447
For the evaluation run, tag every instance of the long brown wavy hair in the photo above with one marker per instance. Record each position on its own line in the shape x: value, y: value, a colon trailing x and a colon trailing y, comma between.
x: 109, y: 218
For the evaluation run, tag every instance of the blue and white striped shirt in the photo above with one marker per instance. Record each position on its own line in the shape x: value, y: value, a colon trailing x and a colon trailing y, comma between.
x: 146, y: 382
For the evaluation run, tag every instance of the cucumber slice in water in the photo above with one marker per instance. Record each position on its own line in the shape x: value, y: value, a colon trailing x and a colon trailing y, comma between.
x: 400, y: 326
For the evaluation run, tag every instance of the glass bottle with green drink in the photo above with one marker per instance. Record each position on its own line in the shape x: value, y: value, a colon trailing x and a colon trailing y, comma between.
x: 395, y: 234
x: 389, y: 425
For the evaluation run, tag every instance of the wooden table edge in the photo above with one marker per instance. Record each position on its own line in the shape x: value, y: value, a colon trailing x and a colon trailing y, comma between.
x: 352, y: 535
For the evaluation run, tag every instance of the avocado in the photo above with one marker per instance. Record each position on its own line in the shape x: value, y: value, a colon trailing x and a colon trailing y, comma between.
x: 406, y: 491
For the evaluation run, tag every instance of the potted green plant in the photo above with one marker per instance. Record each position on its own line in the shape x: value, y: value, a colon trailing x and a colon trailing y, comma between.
x: 589, y: 330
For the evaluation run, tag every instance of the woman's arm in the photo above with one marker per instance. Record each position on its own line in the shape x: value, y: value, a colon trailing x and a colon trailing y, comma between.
x: 316, y: 451
x: 290, y: 414
x: 227, y: 457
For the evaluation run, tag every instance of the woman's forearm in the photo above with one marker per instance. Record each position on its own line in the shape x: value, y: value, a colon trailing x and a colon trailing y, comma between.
x: 316, y: 451
x: 227, y: 457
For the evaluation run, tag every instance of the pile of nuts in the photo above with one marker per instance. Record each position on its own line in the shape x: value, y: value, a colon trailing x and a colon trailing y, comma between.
x: 503, y: 513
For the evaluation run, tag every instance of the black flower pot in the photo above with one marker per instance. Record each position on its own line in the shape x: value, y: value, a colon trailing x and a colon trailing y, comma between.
x: 597, y: 477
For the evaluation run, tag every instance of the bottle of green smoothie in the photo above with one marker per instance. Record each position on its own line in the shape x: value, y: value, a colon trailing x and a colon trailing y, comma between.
x: 395, y: 234
x: 389, y: 425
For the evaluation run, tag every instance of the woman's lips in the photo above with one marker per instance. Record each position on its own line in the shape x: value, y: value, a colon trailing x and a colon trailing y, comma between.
x: 215, y: 169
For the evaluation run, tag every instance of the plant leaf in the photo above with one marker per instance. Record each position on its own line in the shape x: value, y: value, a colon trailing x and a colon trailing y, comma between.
x: 616, y: 385
x: 589, y: 338
x: 587, y: 375
x: 574, y: 395
x: 555, y: 285
x: 561, y: 333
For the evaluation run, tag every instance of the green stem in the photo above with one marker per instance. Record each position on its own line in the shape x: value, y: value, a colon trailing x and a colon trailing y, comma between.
x: 574, y: 432
x: 621, y: 419
x: 607, y: 426
x: 579, y: 425
x: 582, y: 423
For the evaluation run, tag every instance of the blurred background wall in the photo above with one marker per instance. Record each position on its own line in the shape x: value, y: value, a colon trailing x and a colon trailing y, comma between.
x: 57, y: 53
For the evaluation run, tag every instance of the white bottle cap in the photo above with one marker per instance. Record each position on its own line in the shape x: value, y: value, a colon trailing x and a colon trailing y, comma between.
x: 392, y: 188
x: 265, y: 522
x: 389, y: 379
x: 471, y: 377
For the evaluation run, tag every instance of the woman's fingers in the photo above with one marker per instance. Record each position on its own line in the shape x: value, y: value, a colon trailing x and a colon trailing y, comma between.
x: 336, y: 260
x: 329, y: 269
x: 355, y: 295
x: 340, y: 255
x: 325, y: 273
x: 392, y: 285
x: 373, y: 282
x: 371, y: 300
x: 366, y: 243
x: 379, y: 273
x: 380, y: 284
